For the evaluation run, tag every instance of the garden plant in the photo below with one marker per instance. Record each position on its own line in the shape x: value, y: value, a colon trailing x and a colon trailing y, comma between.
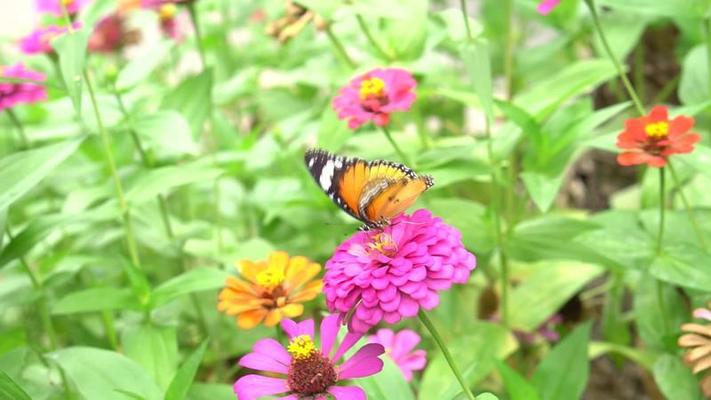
x: 356, y: 199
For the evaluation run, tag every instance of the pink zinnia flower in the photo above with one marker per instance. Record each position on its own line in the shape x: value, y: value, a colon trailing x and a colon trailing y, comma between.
x: 39, y: 41
x: 12, y: 93
x: 391, y: 273
x: 374, y: 95
x: 306, y: 371
x: 55, y: 6
x: 546, y: 6
x: 399, y: 346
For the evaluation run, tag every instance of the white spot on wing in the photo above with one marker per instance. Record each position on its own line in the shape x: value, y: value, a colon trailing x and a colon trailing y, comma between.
x: 326, y: 175
x: 311, y: 163
x: 338, y: 163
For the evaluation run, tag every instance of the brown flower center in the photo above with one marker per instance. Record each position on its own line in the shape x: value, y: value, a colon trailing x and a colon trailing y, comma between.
x: 310, y: 373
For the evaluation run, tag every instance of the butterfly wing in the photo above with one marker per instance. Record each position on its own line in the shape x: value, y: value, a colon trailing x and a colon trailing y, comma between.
x: 396, y: 198
x: 354, y: 184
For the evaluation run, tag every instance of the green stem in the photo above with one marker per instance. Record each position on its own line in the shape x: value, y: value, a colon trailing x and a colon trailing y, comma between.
x: 463, y: 6
x: 447, y: 355
x: 198, y: 32
x: 339, y: 48
x: 123, y: 204
x: 662, y: 198
x: 400, y: 153
x: 162, y: 206
x: 508, y: 57
x: 707, y: 30
x: 371, y: 39
x: 38, y: 83
x: 610, y: 54
x: 689, y: 210
x: 20, y: 129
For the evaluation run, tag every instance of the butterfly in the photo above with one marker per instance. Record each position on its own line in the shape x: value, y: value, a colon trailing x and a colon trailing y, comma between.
x: 373, y: 192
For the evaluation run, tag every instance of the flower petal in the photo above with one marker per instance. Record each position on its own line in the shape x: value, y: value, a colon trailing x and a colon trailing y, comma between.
x: 680, y: 125
x: 404, y: 342
x: 294, y: 329
x: 365, y: 362
x: 329, y: 331
x: 659, y: 113
x: 254, y: 387
x: 347, y: 393
x: 250, y: 319
x: 349, y: 340
x: 268, y: 355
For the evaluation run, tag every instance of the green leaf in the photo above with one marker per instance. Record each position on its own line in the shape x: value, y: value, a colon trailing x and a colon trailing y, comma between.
x: 675, y: 379
x: 684, y: 265
x: 96, y: 299
x: 516, y: 385
x: 3, y: 222
x: 192, y: 99
x: 20, y: 172
x: 196, y: 280
x: 71, y: 49
x: 405, y: 35
x: 155, y: 348
x: 388, y: 384
x: 475, y: 354
x: 103, y: 374
x: 549, y: 286
x: 487, y: 396
x: 33, y: 234
x: 332, y: 133
x: 652, y: 300
x: 204, y: 391
x: 563, y: 373
x: 167, y: 133
x: 694, y: 83
x: 185, y: 376
x: 667, y: 8
x: 95, y: 11
x: 10, y: 390
x: 141, y: 66
x: 543, y: 188
x: 163, y: 180
x: 470, y: 218
x: 476, y: 57
x: 645, y: 358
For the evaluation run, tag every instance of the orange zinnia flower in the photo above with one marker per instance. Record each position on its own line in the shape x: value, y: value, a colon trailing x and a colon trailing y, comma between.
x: 272, y: 289
x: 652, y: 138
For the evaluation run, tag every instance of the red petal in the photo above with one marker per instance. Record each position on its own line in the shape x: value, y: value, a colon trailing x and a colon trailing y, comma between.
x: 680, y: 125
x: 659, y: 113
x: 634, y: 129
x: 631, y: 158
x: 682, y: 144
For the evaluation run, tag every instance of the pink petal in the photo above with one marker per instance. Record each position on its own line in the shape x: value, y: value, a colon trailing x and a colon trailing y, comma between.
x: 349, y: 340
x: 347, y: 393
x: 268, y: 355
x: 254, y: 387
x: 294, y: 329
x: 702, y: 313
x: 546, y: 6
x: 290, y: 397
x: 405, y: 341
x: 365, y: 362
x: 329, y: 331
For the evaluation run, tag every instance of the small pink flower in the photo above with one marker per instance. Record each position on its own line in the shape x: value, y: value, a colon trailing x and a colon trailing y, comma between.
x: 55, y: 6
x: 390, y: 274
x: 399, y: 346
x: 12, y: 93
x: 304, y: 370
x: 374, y: 95
x: 703, y: 313
x: 39, y: 41
x: 546, y: 6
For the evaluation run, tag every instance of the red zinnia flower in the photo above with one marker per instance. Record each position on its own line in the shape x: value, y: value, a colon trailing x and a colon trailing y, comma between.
x: 652, y: 138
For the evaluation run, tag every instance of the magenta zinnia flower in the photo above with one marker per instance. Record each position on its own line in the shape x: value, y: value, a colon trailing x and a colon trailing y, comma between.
x: 391, y: 273
x: 39, y: 40
x: 546, y: 6
x: 399, y: 346
x: 12, y: 93
x: 374, y: 95
x: 307, y: 371
x: 55, y: 6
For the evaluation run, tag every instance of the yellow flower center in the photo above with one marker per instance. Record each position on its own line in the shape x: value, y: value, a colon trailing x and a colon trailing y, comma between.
x: 270, y: 277
x: 301, y: 347
x: 67, y: 2
x: 657, y: 129
x: 384, y: 244
x: 167, y: 11
x: 371, y: 87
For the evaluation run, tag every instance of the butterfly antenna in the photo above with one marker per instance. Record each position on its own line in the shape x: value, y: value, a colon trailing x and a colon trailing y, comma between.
x: 349, y: 316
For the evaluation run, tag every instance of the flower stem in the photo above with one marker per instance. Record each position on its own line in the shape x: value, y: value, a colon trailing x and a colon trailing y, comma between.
x: 339, y: 48
x: 463, y: 6
x: 123, y: 204
x: 689, y: 210
x: 198, y: 33
x: 163, y: 207
x: 371, y: 39
x: 400, y: 153
x: 445, y: 352
x: 20, y: 129
x: 662, y: 198
x: 620, y: 71
x: 508, y: 56
x: 707, y: 30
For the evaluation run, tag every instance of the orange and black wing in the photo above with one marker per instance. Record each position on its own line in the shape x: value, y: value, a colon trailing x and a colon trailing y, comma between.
x: 396, y: 198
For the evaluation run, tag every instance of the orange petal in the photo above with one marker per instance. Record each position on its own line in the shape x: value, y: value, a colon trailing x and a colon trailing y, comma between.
x: 292, y: 310
x: 249, y: 270
x: 309, y: 292
x: 300, y: 271
x: 239, y: 285
x: 273, y: 318
x: 250, y: 319
x: 279, y: 259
